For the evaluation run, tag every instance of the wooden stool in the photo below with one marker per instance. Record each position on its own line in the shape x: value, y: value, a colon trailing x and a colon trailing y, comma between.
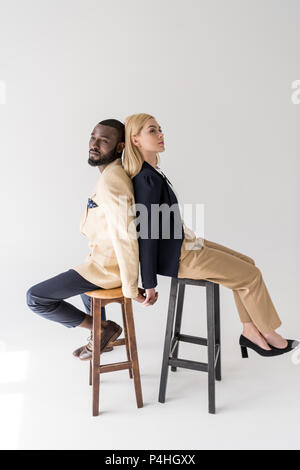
x: 100, y: 298
x: 174, y: 336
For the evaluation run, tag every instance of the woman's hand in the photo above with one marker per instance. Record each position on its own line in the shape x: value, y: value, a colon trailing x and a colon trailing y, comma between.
x: 151, y: 297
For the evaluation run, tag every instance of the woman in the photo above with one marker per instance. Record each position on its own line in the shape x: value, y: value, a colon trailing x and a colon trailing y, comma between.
x: 183, y: 255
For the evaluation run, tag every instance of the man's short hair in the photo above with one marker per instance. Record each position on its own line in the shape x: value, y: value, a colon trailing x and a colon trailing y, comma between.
x: 116, y: 125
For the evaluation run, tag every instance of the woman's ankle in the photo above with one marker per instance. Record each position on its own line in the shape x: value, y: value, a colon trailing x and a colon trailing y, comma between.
x: 249, y: 327
x: 251, y: 332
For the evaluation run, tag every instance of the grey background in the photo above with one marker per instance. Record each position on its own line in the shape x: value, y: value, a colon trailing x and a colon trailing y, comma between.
x: 217, y: 76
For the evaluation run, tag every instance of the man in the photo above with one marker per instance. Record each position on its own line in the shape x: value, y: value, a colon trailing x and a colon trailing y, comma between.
x: 114, y: 255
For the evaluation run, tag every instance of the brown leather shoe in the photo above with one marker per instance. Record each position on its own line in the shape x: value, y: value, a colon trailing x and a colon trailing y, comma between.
x: 110, y: 331
x: 77, y: 351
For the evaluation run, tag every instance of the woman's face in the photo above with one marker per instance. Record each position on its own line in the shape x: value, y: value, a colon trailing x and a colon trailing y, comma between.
x: 151, y: 137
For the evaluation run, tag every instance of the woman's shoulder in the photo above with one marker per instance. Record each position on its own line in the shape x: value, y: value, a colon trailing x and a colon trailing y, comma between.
x: 147, y: 176
x: 147, y: 182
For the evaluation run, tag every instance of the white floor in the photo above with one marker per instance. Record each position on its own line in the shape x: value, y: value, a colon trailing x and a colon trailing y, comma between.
x: 46, y: 399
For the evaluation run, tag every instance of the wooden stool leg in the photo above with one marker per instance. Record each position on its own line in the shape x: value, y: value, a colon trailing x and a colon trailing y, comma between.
x: 211, y: 345
x: 91, y: 372
x: 126, y: 337
x: 96, y: 309
x: 133, y: 352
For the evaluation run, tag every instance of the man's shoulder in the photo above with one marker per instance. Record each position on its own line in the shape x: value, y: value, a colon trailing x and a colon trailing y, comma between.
x: 116, y: 170
x: 115, y: 177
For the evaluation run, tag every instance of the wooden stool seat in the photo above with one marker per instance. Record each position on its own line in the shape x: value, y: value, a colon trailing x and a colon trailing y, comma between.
x: 106, y: 293
x: 100, y: 298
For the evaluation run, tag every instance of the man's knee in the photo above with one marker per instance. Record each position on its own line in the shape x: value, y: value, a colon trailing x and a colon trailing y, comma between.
x: 31, y: 300
x: 34, y: 302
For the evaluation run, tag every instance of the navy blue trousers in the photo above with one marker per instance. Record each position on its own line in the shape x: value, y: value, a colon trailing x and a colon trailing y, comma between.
x: 47, y: 298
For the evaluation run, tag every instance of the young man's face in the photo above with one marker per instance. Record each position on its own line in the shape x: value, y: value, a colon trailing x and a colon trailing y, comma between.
x: 104, y: 146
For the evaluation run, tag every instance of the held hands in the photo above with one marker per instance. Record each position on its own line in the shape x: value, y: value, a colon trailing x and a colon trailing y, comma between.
x: 146, y: 296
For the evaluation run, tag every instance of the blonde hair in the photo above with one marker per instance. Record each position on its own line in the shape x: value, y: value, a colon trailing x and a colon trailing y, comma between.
x: 133, y: 159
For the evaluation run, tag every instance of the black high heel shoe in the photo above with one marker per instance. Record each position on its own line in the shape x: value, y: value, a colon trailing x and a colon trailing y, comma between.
x: 246, y: 343
x: 292, y: 344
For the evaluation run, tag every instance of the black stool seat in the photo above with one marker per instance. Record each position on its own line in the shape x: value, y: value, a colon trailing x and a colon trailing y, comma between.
x: 174, y: 336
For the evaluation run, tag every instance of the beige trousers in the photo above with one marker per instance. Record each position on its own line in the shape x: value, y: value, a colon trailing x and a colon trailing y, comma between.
x: 217, y: 263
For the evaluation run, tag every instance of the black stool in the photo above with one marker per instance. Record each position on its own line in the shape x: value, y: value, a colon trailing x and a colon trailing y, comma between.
x: 172, y: 338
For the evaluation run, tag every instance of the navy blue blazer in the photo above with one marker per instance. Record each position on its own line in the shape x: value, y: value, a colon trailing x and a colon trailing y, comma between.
x: 158, y: 255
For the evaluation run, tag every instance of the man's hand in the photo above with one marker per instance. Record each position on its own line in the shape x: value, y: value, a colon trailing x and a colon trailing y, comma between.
x: 146, y: 296
x: 151, y: 297
x: 141, y: 295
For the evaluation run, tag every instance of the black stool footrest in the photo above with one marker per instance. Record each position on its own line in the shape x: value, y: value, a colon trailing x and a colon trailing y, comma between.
x: 187, y: 364
x: 192, y: 339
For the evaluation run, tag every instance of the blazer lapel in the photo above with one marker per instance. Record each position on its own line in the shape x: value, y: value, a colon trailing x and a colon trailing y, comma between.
x: 147, y: 165
x: 172, y: 195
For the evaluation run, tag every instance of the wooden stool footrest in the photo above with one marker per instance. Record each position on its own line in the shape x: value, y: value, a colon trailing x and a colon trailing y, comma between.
x: 115, y: 366
x: 118, y: 342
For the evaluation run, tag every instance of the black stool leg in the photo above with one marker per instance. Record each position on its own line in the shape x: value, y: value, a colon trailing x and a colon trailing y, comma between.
x: 178, y: 319
x: 210, y: 301
x: 217, y: 328
x: 168, y: 338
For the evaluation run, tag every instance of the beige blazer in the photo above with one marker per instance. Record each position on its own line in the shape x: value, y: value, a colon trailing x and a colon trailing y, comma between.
x: 113, y: 260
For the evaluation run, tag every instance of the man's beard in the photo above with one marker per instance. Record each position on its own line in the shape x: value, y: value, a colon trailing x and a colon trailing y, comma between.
x: 104, y: 160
